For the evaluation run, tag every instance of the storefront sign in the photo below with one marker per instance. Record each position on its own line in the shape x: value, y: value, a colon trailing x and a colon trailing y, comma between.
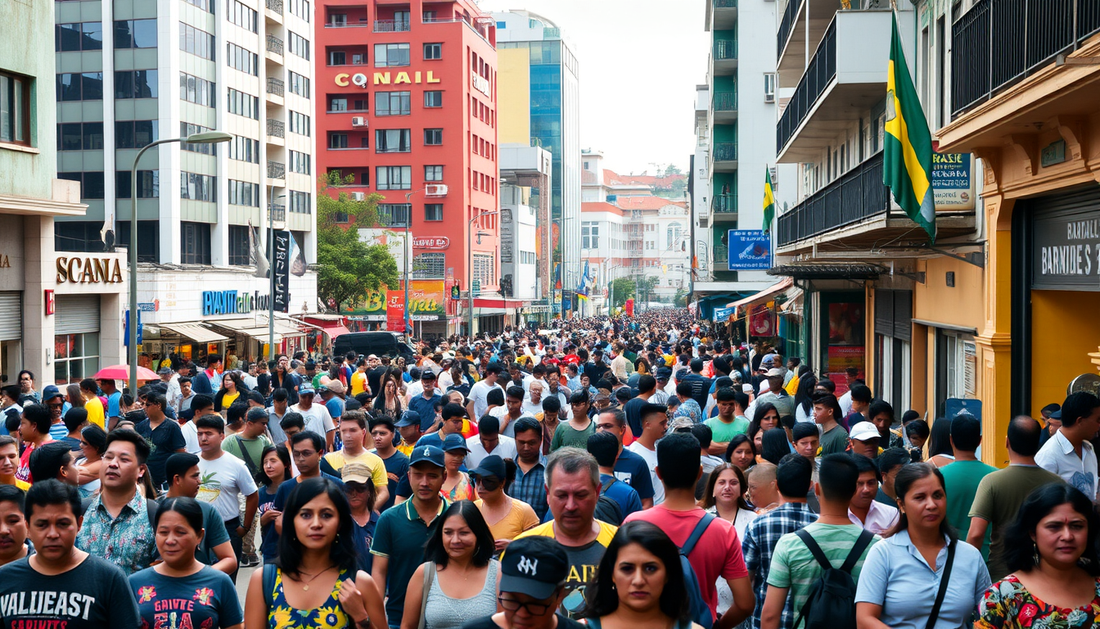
x: 723, y: 314
x: 51, y: 305
x: 281, y: 267
x: 386, y: 78
x: 431, y: 242
x: 762, y: 321
x: 1053, y: 153
x: 395, y: 310
x: 1066, y: 253
x: 749, y: 249
x: 222, y: 302
x: 86, y: 270
x: 952, y: 181
x: 427, y: 301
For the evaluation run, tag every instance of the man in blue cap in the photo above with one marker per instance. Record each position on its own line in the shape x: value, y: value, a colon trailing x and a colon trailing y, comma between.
x: 55, y: 401
x: 409, y: 429
x: 403, y: 529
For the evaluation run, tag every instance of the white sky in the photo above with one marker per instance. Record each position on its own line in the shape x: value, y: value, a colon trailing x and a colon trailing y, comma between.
x: 640, y: 61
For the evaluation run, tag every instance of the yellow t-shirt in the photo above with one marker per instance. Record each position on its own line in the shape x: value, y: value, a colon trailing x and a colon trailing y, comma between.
x: 373, y: 462
x: 358, y: 383
x: 521, y: 518
x: 229, y: 398
x: 405, y: 448
x: 95, y: 412
x: 792, y: 386
x: 582, y: 562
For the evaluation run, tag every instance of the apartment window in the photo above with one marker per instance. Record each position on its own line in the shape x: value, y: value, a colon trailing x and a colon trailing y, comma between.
x: 244, y: 149
x: 394, y: 214
x: 187, y: 129
x: 244, y: 193
x: 69, y: 136
x: 197, y: 187
x: 205, y: 5
x: 429, y: 266
x: 300, y: 8
x: 392, y: 104
x: 299, y: 123
x: 92, y: 136
x: 244, y: 104
x: 197, y: 42
x: 196, y: 90
x: 135, y: 34
x: 433, y: 137
x: 337, y: 103
x: 392, y: 140
x: 337, y: 58
x: 337, y: 140
x: 243, y: 59
x: 78, y: 36
x: 299, y: 45
x: 241, y: 15
x: 393, y: 177
x: 590, y: 235
x: 74, y: 86
x: 298, y: 84
x: 433, y: 173
x: 148, y: 184
x: 338, y: 20
x: 15, y: 108
x: 433, y: 98
x: 391, y: 55
x: 135, y: 134
x: 136, y: 84
x: 195, y: 243
x: 433, y: 51
x: 484, y: 271
x: 91, y: 183
x: 433, y: 212
x: 300, y: 163
x: 77, y: 355
x: 239, y: 251
x: 300, y: 202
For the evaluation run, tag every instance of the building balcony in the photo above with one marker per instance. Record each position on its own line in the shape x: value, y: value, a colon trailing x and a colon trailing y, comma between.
x: 391, y: 26
x: 276, y: 131
x: 791, y: 39
x: 724, y: 57
x: 275, y: 90
x: 278, y: 213
x: 846, y: 76
x: 725, y: 107
x: 274, y: 47
x: 998, y: 43
x: 723, y: 157
x: 721, y: 15
x: 276, y: 170
x: 274, y: 11
x: 724, y: 205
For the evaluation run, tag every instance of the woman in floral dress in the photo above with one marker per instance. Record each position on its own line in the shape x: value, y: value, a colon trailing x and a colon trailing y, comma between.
x: 1051, y: 553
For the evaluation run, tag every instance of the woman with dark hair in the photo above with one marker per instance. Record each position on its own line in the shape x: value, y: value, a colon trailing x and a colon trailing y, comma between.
x: 275, y: 470
x: 639, y: 579
x: 741, y: 452
x: 507, y: 517
x: 316, y: 568
x: 388, y: 399
x: 213, y: 600
x: 764, y: 418
x: 940, y: 452
x: 232, y: 387
x: 804, y: 397
x: 459, y: 579
x: 93, y: 443
x: 1051, y: 552
x: 922, y: 560
x: 776, y: 445
x: 724, y: 496
x: 361, y: 497
x: 73, y: 398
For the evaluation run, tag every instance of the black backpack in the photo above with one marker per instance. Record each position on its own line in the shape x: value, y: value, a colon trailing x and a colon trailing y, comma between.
x: 607, y: 510
x: 832, y: 600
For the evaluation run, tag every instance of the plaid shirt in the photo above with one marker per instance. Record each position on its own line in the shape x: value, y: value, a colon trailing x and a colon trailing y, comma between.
x: 761, y: 536
x: 530, y: 487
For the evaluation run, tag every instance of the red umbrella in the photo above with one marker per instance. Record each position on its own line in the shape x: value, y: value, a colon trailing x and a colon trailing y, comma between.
x: 122, y: 372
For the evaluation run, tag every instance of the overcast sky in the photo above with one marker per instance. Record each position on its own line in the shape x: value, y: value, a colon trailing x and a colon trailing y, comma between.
x: 640, y: 61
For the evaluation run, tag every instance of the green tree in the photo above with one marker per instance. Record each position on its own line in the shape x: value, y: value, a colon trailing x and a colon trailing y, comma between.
x: 644, y: 287
x: 673, y: 169
x: 347, y: 268
x: 622, y: 289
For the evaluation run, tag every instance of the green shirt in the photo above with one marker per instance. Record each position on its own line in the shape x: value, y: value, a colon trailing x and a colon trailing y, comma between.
x: 400, y: 535
x: 255, y: 448
x: 794, y: 567
x: 721, y: 432
x: 997, y: 501
x: 961, y: 480
x: 566, y: 435
x: 834, y: 441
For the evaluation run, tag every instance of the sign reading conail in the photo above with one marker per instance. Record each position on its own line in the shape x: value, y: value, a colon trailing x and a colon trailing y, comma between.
x: 386, y: 78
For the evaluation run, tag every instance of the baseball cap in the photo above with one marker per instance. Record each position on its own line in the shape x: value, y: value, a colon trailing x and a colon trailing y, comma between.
x: 535, y: 566
x: 680, y: 423
x: 355, y: 473
x: 427, y: 454
x: 306, y: 389
x: 427, y: 374
x: 164, y: 371
x: 455, y: 442
x: 321, y: 388
x: 774, y: 373
x: 863, y: 431
x: 491, y: 465
x: 49, y: 393
x: 408, y: 418
x: 664, y: 373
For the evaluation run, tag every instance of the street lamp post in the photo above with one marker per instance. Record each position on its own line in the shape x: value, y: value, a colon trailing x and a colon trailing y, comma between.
x: 271, y: 272
x: 209, y: 137
x: 470, y: 265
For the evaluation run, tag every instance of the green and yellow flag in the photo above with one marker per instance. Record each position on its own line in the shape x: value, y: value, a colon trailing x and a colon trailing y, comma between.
x: 769, y: 200
x: 907, y: 150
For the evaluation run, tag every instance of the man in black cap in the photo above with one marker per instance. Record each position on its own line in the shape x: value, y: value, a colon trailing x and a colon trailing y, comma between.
x: 660, y: 395
x: 532, y: 586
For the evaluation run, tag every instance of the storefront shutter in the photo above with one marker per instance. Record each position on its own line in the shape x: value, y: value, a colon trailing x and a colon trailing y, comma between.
x: 884, y: 312
x: 903, y: 315
x: 11, y: 316
x: 77, y: 314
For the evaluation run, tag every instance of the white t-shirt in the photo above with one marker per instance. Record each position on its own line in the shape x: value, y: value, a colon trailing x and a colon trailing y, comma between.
x: 317, y: 418
x: 531, y: 408
x: 414, y: 389
x: 650, y: 457
x: 1057, y: 456
x: 479, y: 394
x: 221, y: 480
x: 506, y: 449
x: 190, y: 438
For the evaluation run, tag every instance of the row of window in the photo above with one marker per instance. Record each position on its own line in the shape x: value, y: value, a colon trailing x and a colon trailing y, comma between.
x: 299, y: 45
x: 198, y: 91
x: 243, y: 59
x: 301, y: 202
x: 300, y: 8
x: 527, y: 257
x: 198, y: 187
x: 299, y: 123
x: 387, y: 140
x: 385, y: 55
x: 196, y: 41
x: 297, y: 84
x: 244, y: 149
x: 482, y: 112
x: 205, y: 5
x: 89, y: 85
x: 431, y: 174
x: 483, y: 182
x: 92, y: 183
x: 244, y: 104
x: 187, y: 129
x: 78, y: 36
x: 341, y: 103
x: 385, y: 103
x: 481, y: 146
x: 244, y: 193
x: 240, y: 14
x: 301, y: 163
x: 88, y: 136
x: 135, y: 34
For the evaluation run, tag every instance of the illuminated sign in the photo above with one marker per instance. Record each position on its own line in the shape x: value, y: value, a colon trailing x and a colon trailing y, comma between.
x: 220, y: 302
x: 431, y: 242
x: 88, y: 270
x: 386, y: 78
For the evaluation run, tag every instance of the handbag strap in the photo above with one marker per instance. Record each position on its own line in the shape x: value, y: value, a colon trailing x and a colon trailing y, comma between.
x: 944, y: 580
x: 429, y: 577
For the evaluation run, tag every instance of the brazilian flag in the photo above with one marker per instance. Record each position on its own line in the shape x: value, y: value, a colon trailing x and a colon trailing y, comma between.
x: 769, y: 200
x: 907, y: 151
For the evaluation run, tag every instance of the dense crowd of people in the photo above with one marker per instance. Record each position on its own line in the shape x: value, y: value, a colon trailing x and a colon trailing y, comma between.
x: 621, y: 473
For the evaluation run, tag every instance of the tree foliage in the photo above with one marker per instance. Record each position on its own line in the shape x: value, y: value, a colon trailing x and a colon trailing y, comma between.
x: 621, y: 290
x: 347, y: 268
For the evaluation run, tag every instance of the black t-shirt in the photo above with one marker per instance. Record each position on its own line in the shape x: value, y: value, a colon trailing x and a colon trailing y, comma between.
x: 374, y: 377
x: 167, y: 439
x: 486, y: 622
x: 398, y: 465
x: 93, y: 595
x: 633, y: 410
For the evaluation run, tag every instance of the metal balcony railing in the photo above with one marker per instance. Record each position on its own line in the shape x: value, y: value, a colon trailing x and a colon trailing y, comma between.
x: 858, y: 194
x: 725, y: 101
x: 391, y: 26
x: 725, y: 49
x: 822, y: 70
x: 998, y: 43
x: 275, y: 86
x: 278, y: 213
x: 725, y: 152
x: 724, y: 204
x: 785, y: 25
x: 276, y: 170
x: 276, y: 128
x: 275, y: 5
x: 274, y: 44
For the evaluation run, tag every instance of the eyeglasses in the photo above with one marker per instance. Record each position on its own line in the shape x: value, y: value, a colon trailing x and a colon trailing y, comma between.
x: 535, y: 609
x: 301, y: 454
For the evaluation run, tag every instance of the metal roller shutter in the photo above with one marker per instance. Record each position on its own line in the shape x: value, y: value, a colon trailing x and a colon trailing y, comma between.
x: 11, y: 316
x: 77, y: 314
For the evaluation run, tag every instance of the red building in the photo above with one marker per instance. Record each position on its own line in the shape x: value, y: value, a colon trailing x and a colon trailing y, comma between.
x: 406, y: 103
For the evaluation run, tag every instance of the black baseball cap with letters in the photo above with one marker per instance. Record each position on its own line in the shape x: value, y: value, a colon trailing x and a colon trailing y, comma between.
x: 535, y: 566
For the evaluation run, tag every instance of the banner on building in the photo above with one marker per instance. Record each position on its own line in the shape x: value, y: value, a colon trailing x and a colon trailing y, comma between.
x: 281, y: 266
x: 395, y: 310
x: 952, y: 181
x: 427, y: 302
x: 749, y: 249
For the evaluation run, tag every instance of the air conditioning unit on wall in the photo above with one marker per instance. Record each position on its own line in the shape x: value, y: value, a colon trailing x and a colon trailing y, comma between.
x: 358, y: 196
x: 358, y: 121
x: 435, y: 190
